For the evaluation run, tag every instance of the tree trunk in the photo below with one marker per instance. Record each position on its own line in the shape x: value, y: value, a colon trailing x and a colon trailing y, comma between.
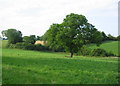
x: 71, y: 54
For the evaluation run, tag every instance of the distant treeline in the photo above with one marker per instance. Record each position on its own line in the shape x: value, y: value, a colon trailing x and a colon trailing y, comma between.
x: 16, y: 41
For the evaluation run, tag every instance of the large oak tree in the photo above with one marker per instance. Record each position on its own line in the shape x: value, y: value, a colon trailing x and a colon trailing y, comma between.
x: 73, y: 33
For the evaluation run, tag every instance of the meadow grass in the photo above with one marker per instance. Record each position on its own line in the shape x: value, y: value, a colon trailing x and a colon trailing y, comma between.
x: 33, y: 67
x: 3, y: 43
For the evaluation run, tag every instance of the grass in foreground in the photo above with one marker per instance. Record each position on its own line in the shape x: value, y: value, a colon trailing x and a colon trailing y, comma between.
x: 32, y: 67
x: 4, y: 43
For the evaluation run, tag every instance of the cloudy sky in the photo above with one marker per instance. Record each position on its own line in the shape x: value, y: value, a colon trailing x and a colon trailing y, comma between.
x: 34, y: 17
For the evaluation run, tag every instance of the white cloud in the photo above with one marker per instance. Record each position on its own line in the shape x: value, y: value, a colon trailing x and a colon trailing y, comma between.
x: 35, y: 16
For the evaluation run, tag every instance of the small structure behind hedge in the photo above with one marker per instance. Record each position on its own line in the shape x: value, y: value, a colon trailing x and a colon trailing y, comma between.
x: 40, y: 42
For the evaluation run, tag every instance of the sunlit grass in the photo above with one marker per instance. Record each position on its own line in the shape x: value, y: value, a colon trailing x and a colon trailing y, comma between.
x: 28, y: 67
x: 4, y: 43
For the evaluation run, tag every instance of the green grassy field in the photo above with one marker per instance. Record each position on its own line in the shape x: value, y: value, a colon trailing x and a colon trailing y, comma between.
x: 3, y: 43
x: 33, y: 67
x: 28, y: 67
x: 109, y: 46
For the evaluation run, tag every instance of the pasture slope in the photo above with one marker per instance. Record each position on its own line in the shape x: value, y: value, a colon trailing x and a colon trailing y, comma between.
x: 37, y: 67
x: 109, y: 46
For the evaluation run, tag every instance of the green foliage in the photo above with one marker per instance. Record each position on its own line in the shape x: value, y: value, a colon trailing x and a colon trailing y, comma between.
x: 38, y: 38
x: 44, y: 37
x: 11, y: 46
x: 118, y: 38
x: 40, y: 47
x: 84, y: 51
x: 21, y: 45
x: 104, y: 36
x: 13, y: 35
x: 50, y: 36
x: 110, y: 54
x: 100, y: 52
x: 97, y: 38
x: 32, y: 67
x: 72, y: 33
x: 29, y: 39
x: 25, y: 46
x: 109, y: 46
x: 58, y: 49
x: 4, y: 32
x: 28, y: 46
x: 110, y: 37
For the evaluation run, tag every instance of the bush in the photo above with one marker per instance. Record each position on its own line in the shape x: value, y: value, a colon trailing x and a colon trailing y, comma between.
x: 25, y: 46
x: 110, y: 54
x: 20, y: 45
x: 47, y: 48
x: 60, y: 49
x: 28, y: 46
x: 38, y: 47
x: 100, y: 52
x: 11, y: 46
x: 84, y: 51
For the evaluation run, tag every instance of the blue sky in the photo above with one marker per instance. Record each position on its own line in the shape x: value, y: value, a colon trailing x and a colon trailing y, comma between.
x: 34, y: 17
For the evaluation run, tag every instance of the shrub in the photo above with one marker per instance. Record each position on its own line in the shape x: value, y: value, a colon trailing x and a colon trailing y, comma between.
x: 100, y: 52
x: 28, y: 46
x: 110, y: 54
x: 38, y: 47
x: 20, y: 45
x: 60, y: 49
x: 84, y: 51
x: 47, y: 48
x: 23, y: 45
x: 11, y: 46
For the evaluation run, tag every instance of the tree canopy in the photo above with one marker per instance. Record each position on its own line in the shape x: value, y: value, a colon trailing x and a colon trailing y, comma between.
x: 73, y: 33
x: 13, y: 35
x: 118, y: 38
x: 29, y: 39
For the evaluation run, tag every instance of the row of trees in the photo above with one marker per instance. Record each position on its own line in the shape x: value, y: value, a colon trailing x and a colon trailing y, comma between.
x: 14, y: 36
x: 109, y: 37
x: 15, y: 40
